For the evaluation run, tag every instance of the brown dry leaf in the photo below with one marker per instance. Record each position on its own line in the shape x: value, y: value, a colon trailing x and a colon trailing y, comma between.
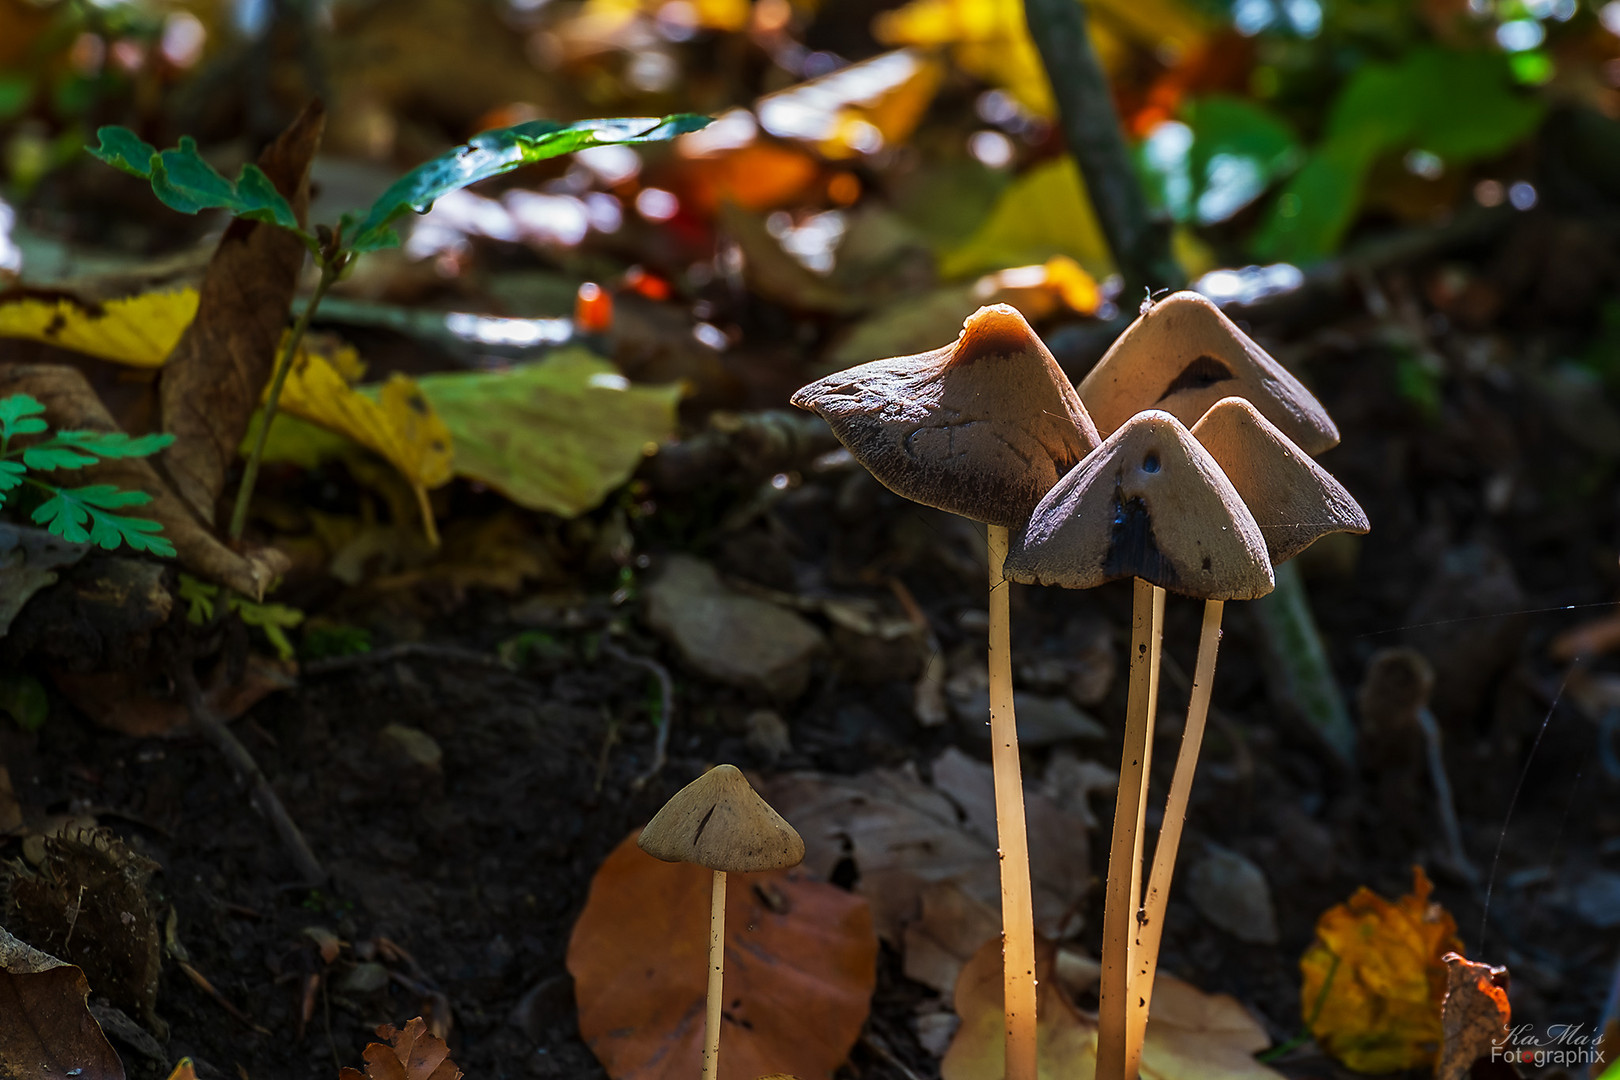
x: 1381, y: 1010
x: 413, y: 1053
x: 906, y: 836
x: 949, y: 929
x: 1475, y: 1016
x: 48, y: 1031
x: 71, y: 403
x: 122, y: 701
x: 1190, y: 1035
x: 211, y: 383
x: 800, y: 966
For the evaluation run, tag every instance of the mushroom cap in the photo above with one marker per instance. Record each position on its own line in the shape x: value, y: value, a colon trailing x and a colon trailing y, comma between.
x: 720, y: 822
x: 982, y: 427
x: 1148, y: 503
x: 1292, y: 498
x: 1183, y: 355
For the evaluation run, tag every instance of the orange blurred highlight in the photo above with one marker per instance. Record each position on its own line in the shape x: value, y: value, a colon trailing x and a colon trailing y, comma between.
x: 644, y: 284
x: 593, y: 309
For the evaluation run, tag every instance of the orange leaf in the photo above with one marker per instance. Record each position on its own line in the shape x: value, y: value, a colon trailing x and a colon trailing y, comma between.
x: 410, y: 1054
x: 1381, y: 1010
x: 800, y: 966
x: 1475, y: 1017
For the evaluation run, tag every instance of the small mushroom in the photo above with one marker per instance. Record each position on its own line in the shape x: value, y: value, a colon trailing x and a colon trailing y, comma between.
x: 1151, y: 504
x: 1182, y: 356
x: 982, y: 428
x: 718, y: 821
x: 1293, y: 499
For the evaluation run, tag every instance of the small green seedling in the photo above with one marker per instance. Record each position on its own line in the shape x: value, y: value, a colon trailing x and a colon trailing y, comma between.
x: 80, y: 515
x: 273, y: 619
x: 182, y: 180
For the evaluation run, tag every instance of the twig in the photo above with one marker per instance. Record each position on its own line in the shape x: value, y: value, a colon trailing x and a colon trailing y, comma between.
x: 1141, y: 246
x: 666, y: 706
x: 1442, y: 795
x: 410, y: 650
x: 216, y: 731
x: 207, y: 987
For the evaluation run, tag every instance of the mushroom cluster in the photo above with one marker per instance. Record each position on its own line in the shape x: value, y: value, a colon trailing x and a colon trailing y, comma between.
x: 1183, y: 463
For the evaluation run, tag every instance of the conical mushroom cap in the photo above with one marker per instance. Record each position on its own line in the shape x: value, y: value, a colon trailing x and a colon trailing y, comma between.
x: 720, y: 822
x: 982, y: 427
x: 1183, y: 355
x: 1293, y: 499
x: 1149, y: 503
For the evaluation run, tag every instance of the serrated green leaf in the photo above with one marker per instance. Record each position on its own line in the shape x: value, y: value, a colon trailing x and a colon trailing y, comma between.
x: 18, y: 415
x: 11, y: 475
x: 123, y: 149
x: 143, y: 534
x: 199, y: 596
x: 499, y: 151
x: 273, y: 619
x: 108, y: 497
x: 115, y: 444
x: 52, y: 455
x: 183, y: 181
x: 64, y: 516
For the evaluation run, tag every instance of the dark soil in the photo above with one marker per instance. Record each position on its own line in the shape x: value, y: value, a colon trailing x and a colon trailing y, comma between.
x: 1491, y: 516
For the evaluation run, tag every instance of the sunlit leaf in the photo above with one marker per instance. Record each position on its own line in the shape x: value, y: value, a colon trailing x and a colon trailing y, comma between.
x: 183, y: 181
x: 1459, y: 106
x: 800, y: 966
x: 1384, y: 977
x: 496, y: 152
x: 1044, y: 212
x: 139, y: 331
x: 1220, y: 156
x: 857, y: 109
x: 557, y: 435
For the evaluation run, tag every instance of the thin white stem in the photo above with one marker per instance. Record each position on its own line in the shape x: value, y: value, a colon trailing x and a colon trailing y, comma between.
x: 717, y: 958
x: 1017, y: 903
x: 1150, y: 927
x: 1119, y: 905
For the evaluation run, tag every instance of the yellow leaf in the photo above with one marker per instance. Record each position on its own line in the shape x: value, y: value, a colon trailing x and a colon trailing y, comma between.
x: 858, y: 109
x: 139, y: 331
x: 1045, y: 212
x: 1381, y: 1010
x: 1191, y: 1035
x: 183, y: 1071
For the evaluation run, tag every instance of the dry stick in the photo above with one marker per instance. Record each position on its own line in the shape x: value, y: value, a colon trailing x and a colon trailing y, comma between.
x: 1119, y: 910
x: 717, y: 959
x: 216, y: 731
x: 1017, y: 903
x: 1150, y: 928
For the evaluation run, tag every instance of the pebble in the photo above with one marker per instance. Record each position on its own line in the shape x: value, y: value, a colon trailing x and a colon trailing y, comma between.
x: 1231, y: 892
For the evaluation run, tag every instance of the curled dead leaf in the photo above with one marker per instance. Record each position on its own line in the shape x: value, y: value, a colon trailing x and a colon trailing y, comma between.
x: 409, y: 1053
x: 48, y: 1030
x: 800, y: 966
x: 1475, y: 1016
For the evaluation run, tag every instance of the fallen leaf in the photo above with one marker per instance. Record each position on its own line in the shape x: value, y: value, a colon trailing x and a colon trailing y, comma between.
x: 905, y: 836
x: 121, y: 700
x: 411, y: 1053
x: 49, y: 1033
x: 1190, y: 1035
x: 1045, y: 212
x: 212, y: 379
x: 556, y: 435
x: 140, y: 331
x: 1475, y: 1016
x: 759, y: 176
x: 1384, y: 977
x: 800, y: 967
x: 184, y: 1071
x: 858, y: 109
x: 72, y: 404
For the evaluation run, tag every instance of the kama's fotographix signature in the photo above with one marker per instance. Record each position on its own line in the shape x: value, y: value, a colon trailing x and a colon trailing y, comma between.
x: 1557, y: 1044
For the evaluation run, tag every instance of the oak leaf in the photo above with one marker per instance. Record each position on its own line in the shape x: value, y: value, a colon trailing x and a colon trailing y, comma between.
x: 409, y: 1053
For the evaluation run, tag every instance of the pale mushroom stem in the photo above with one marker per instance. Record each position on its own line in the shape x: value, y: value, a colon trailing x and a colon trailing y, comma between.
x: 717, y: 955
x: 1017, y: 903
x: 1150, y: 928
x: 1124, y: 855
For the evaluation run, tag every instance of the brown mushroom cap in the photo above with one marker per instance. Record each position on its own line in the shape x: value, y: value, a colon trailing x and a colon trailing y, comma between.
x: 720, y: 822
x: 982, y: 427
x: 1182, y: 356
x: 1292, y: 498
x: 1148, y: 503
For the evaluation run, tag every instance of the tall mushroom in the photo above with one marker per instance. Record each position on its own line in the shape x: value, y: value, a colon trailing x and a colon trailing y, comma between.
x: 982, y: 427
x: 720, y: 822
x: 1149, y: 504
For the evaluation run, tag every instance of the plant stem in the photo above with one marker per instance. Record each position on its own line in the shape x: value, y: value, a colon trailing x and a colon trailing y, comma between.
x: 1299, y: 672
x: 1140, y: 246
x: 1124, y: 882
x: 330, y: 271
x: 717, y: 959
x: 1017, y: 903
x: 1150, y: 928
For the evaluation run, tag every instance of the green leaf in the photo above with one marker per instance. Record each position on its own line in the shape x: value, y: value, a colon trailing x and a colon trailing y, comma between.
x: 24, y: 698
x: 557, y: 435
x: 496, y: 152
x: 19, y: 416
x: 114, y: 444
x: 123, y: 149
x: 69, y: 510
x: 183, y: 181
x: 199, y: 597
x: 52, y: 455
x: 1221, y: 157
x: 1461, y: 106
x: 11, y: 476
x: 1044, y: 212
x: 274, y: 619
